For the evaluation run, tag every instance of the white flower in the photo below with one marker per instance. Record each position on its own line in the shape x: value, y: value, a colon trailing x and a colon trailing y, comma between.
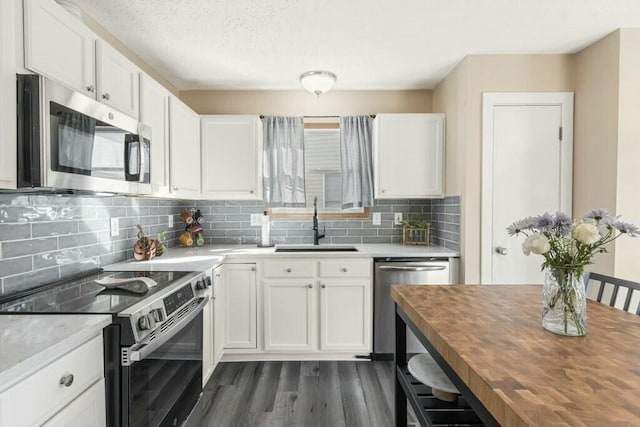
x: 586, y: 233
x: 537, y: 244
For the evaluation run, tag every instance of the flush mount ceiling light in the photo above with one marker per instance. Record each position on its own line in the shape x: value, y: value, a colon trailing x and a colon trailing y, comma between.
x: 317, y: 82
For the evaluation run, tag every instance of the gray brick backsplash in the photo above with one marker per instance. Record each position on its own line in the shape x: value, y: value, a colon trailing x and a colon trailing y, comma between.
x: 44, y: 238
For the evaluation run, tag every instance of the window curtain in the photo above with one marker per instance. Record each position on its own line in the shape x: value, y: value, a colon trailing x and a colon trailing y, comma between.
x: 283, y: 161
x: 357, y: 165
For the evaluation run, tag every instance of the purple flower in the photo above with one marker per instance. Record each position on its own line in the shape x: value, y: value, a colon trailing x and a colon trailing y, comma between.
x: 544, y: 221
x: 562, y: 223
x: 520, y: 225
x: 627, y: 228
x: 597, y: 214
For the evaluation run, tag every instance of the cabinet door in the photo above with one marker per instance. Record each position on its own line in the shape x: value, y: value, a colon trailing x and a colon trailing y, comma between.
x: 87, y: 410
x: 207, y: 341
x: 408, y: 156
x: 118, y: 80
x: 345, y: 315
x: 240, y: 296
x: 289, y: 319
x: 232, y: 157
x: 154, y: 112
x: 184, y: 146
x: 218, y: 315
x: 8, y: 172
x: 59, y: 46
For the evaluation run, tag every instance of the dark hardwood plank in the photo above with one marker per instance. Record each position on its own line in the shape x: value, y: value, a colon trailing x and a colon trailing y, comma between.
x: 294, y: 394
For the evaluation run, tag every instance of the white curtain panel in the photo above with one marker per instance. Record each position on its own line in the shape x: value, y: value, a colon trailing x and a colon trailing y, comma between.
x: 283, y: 161
x: 357, y: 164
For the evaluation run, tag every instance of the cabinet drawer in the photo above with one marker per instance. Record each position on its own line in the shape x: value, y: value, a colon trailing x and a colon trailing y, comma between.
x: 41, y: 395
x: 345, y: 268
x: 288, y: 268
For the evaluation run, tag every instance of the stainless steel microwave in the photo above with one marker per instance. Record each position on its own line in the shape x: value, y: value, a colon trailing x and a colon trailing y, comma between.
x: 68, y: 141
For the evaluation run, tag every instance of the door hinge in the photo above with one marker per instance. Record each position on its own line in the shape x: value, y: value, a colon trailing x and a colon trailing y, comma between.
x: 560, y: 133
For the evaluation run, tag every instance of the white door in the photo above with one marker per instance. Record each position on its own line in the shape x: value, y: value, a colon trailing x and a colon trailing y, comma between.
x: 59, y: 46
x: 345, y: 315
x: 527, y: 167
x: 118, y: 80
x: 184, y: 146
x: 232, y: 157
x: 154, y: 112
x: 288, y: 315
x: 87, y: 410
x: 240, y: 310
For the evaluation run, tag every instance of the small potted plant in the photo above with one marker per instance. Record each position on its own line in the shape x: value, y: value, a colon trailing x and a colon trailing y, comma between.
x: 416, y: 230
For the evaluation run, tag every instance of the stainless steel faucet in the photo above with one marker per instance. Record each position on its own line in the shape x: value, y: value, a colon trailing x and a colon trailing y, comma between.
x: 317, y: 236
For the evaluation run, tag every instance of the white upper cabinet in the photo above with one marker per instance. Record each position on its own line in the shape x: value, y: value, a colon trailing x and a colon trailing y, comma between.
x: 7, y: 95
x: 232, y: 157
x: 408, y: 156
x: 117, y: 80
x: 154, y: 112
x: 184, y: 150
x: 59, y: 46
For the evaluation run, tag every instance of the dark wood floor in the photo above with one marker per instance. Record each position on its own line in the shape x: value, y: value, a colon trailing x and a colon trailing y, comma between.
x: 281, y: 394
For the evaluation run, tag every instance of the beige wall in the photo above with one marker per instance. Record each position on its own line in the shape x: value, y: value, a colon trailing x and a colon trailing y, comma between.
x: 596, y: 132
x: 117, y: 44
x: 300, y: 102
x: 627, y: 249
x: 461, y: 94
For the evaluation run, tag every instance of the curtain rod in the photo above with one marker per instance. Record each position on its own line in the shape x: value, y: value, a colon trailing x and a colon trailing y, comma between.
x: 373, y: 116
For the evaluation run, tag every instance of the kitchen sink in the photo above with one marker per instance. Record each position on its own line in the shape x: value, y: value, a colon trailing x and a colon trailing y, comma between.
x: 312, y: 248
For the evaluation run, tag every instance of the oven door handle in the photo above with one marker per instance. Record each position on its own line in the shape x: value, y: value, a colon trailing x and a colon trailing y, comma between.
x: 139, y: 352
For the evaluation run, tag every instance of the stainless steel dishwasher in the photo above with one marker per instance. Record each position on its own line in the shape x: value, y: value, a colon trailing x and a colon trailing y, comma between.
x: 403, y: 271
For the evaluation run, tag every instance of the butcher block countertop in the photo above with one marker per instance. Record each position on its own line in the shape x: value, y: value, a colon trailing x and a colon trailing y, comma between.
x: 492, y: 337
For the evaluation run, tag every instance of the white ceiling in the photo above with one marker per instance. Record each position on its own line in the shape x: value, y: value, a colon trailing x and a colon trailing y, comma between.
x: 369, y: 44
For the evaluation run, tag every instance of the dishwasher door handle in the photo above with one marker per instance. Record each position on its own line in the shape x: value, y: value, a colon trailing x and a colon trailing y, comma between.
x: 425, y: 268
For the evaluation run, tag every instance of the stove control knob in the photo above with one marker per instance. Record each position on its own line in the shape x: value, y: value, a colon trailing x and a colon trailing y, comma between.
x: 201, y: 285
x: 146, y: 322
x: 157, y: 314
x: 208, y: 281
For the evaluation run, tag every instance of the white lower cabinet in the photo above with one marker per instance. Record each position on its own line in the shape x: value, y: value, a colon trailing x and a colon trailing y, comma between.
x: 67, y: 392
x: 345, y: 315
x: 316, y: 305
x: 289, y: 315
x: 88, y: 410
x: 218, y: 315
x: 207, y: 341
x: 241, y: 305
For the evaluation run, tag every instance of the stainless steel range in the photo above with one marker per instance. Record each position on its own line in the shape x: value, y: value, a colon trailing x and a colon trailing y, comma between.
x: 153, y: 348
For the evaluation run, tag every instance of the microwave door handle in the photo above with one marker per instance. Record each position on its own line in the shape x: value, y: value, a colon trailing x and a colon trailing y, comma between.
x: 140, y: 161
x: 141, y: 351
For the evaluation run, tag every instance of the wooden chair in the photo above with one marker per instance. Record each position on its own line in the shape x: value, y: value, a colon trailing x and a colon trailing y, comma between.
x: 618, y: 293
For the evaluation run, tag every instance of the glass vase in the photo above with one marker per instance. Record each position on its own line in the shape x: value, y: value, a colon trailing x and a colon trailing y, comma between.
x: 564, y: 305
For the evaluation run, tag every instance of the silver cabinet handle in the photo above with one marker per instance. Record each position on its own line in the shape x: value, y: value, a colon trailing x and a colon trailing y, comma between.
x: 91, y: 88
x: 345, y: 269
x: 175, y: 188
x: 309, y: 286
x: 217, y: 275
x: 253, y: 269
x: 383, y: 191
x: 106, y: 96
x: 289, y: 270
x: 323, y: 286
x: 250, y: 191
x: 432, y: 268
x: 502, y: 250
x: 66, y: 380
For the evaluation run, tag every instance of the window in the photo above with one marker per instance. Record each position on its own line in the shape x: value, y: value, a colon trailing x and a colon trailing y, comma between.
x: 322, y: 174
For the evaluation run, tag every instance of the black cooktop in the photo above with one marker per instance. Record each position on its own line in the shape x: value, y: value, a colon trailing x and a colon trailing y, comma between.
x: 86, y: 295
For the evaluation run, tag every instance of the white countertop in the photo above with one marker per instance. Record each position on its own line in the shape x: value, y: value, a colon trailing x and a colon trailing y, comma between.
x: 30, y: 342
x: 207, y: 257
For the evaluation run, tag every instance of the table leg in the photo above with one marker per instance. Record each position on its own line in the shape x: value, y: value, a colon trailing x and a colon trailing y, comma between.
x: 400, y: 362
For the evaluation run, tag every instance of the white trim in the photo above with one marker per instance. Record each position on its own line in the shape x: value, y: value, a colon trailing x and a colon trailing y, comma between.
x: 489, y: 102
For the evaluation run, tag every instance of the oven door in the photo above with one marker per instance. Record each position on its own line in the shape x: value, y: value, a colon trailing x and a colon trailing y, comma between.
x: 162, y: 377
x: 90, y: 146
